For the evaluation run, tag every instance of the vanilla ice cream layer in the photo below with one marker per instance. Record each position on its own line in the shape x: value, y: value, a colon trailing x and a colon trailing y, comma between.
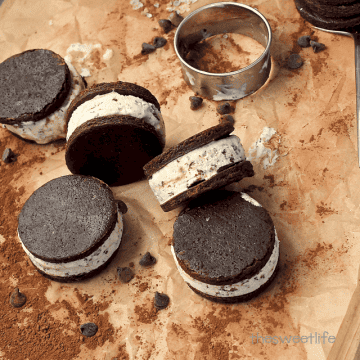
x: 113, y: 103
x: 199, y: 164
x: 53, y: 126
x: 89, y: 263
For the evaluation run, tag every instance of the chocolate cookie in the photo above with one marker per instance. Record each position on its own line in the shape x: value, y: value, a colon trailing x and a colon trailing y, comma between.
x: 71, y: 227
x: 206, y: 161
x: 113, y: 130
x: 36, y: 88
x: 330, y: 15
x: 225, y: 246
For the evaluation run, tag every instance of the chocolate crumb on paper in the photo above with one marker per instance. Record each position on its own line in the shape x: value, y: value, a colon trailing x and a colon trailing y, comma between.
x: 147, y: 260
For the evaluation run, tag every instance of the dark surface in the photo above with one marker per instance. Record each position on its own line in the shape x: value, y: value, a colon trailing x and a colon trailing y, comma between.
x: 33, y: 84
x: 235, y: 172
x: 89, y: 329
x: 67, y: 218
x: 327, y: 18
x: 112, y: 148
x: 184, y: 147
x: 220, y: 238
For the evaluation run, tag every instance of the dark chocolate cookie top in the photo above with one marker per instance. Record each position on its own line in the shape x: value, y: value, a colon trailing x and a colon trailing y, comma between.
x: 67, y: 217
x: 222, y: 238
x: 33, y: 84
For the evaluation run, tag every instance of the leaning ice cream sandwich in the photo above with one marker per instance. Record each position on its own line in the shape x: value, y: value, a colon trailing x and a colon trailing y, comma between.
x: 113, y: 130
x: 71, y: 227
x: 36, y: 88
x: 208, y: 160
x: 225, y: 246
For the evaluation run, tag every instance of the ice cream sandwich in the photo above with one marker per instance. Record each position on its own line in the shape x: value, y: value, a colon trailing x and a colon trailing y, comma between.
x: 113, y: 130
x: 206, y: 161
x: 71, y: 227
x: 36, y: 88
x: 225, y: 246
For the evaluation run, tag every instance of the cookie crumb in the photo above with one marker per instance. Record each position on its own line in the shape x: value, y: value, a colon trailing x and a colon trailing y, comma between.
x: 161, y: 301
x: 8, y: 156
x: 228, y: 118
x: 125, y: 274
x: 147, y: 260
x: 17, y: 299
x: 304, y: 41
x: 224, y: 108
x: 89, y: 329
x: 159, y: 42
x: 317, y: 47
x: 147, y: 49
x: 195, y: 102
x: 175, y: 18
x: 295, y: 61
x: 122, y: 206
x: 166, y: 25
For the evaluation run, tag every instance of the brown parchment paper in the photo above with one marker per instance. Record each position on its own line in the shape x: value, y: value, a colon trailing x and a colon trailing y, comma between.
x: 299, y: 131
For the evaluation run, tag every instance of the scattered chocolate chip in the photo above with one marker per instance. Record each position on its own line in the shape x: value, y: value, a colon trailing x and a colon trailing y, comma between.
x: 147, y: 49
x: 89, y: 329
x: 8, y: 156
x: 159, y: 42
x: 224, y: 108
x: 317, y: 47
x: 125, y: 274
x: 161, y: 301
x: 228, y: 118
x: 304, y: 41
x: 122, y: 206
x: 166, y: 25
x: 196, y: 102
x: 295, y: 61
x: 175, y: 18
x: 17, y: 299
x: 147, y: 260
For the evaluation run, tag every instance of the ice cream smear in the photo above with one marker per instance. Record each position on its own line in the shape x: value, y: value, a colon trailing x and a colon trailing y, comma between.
x: 53, y: 126
x: 198, y: 165
x: 113, y: 103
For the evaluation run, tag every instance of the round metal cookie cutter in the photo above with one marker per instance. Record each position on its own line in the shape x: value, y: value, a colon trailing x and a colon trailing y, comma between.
x: 221, y: 18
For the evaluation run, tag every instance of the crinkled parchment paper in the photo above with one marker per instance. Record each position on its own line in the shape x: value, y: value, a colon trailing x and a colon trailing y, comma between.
x: 299, y: 131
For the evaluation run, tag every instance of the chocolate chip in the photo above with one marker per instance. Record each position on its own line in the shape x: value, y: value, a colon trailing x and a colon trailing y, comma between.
x: 295, y: 61
x: 196, y: 102
x: 161, y: 301
x: 147, y: 49
x: 159, y: 42
x: 166, y: 25
x: 224, y: 108
x: 8, y: 156
x: 228, y: 118
x: 89, y: 329
x: 17, y: 299
x: 304, y: 41
x: 317, y: 47
x: 125, y: 274
x: 122, y: 206
x: 175, y: 18
x: 147, y: 260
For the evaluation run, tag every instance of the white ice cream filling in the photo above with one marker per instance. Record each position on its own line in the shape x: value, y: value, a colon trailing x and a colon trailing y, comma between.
x: 87, y: 264
x: 53, y: 126
x: 113, y: 103
x: 197, y: 165
x: 240, y: 288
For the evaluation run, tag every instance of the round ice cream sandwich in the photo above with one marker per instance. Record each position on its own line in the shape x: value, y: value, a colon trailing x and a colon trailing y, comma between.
x: 225, y: 246
x: 71, y: 227
x: 330, y: 14
x: 36, y: 88
x: 205, y: 161
x: 114, y: 129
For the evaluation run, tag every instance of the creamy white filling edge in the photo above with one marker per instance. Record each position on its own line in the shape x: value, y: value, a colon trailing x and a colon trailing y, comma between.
x: 89, y: 263
x: 53, y: 126
x: 238, y: 289
x: 113, y: 103
x: 199, y: 164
